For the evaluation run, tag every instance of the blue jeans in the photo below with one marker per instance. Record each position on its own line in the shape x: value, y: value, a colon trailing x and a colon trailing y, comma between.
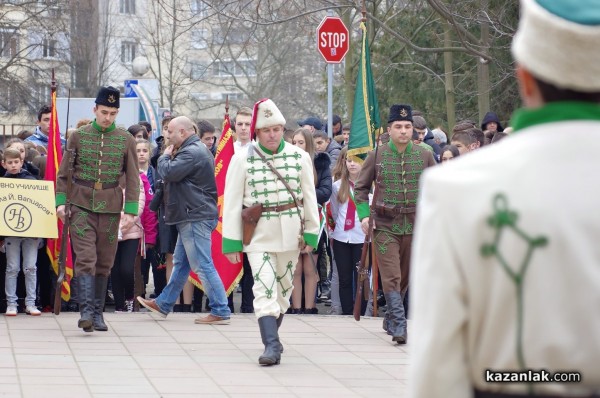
x: 193, y: 252
x: 14, y: 247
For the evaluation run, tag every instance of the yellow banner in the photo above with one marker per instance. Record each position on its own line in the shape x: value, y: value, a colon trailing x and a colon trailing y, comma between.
x: 27, y: 208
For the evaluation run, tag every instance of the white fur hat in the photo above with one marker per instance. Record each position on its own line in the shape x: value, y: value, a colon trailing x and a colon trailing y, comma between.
x: 558, y: 42
x: 265, y: 114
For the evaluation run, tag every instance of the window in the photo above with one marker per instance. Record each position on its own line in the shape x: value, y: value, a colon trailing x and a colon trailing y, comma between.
x: 41, y: 94
x: 7, y: 96
x: 49, y: 48
x: 232, y: 96
x: 199, y: 8
x: 231, y: 68
x: 198, y: 70
x: 9, y: 43
x: 199, y: 38
x: 128, y: 50
x: 127, y: 7
x: 200, y: 96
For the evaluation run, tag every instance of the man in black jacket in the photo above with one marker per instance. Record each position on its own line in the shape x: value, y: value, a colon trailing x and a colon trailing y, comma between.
x: 187, y: 168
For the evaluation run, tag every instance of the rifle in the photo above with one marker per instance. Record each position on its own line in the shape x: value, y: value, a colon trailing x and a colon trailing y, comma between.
x: 362, y: 267
x: 62, y: 258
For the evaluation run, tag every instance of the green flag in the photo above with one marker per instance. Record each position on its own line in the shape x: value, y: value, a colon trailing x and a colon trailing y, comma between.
x: 365, y: 115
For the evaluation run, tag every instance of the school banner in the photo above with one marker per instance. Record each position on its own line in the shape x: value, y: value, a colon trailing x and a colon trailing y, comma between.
x: 27, y: 208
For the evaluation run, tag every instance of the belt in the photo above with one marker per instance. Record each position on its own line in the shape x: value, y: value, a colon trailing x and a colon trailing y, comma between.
x: 491, y: 394
x: 396, y: 210
x: 280, y: 208
x: 95, y: 184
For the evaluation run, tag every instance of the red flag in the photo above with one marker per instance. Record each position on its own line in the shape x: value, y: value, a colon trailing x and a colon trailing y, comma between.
x: 52, y: 162
x: 230, y: 273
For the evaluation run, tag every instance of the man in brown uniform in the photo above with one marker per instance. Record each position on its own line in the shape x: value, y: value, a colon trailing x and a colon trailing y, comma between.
x: 399, y: 165
x: 103, y: 154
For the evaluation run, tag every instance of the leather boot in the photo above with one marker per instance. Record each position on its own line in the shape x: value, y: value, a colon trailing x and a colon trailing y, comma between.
x: 397, y: 322
x: 279, y: 321
x: 85, y: 294
x: 100, y: 296
x: 270, y: 338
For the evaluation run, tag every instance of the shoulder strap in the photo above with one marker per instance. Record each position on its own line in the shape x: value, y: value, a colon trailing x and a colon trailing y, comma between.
x: 285, y: 183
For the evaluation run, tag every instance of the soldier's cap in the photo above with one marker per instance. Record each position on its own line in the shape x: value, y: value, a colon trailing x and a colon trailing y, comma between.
x: 108, y: 96
x: 557, y: 42
x: 400, y: 112
x: 265, y: 114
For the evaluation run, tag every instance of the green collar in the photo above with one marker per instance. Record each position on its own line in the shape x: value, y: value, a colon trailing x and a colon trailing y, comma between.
x: 394, y: 149
x: 269, y: 152
x: 555, y: 112
x: 100, y: 129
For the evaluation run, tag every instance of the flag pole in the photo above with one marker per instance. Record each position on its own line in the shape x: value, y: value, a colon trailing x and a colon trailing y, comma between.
x: 227, y: 104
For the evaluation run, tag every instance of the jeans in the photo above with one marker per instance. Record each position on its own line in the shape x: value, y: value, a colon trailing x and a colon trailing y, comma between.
x: 14, y: 247
x: 193, y: 252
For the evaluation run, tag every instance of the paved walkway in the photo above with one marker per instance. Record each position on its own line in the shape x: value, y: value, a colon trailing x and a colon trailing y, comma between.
x: 141, y: 356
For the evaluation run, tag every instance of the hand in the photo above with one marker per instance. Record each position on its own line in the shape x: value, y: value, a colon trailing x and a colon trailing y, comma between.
x: 168, y: 150
x: 234, y: 258
x: 307, y: 249
x: 365, y: 225
x: 127, y: 221
x: 60, y: 212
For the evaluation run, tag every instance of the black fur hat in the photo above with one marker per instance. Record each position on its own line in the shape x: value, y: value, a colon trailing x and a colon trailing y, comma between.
x: 108, y: 96
x: 400, y: 112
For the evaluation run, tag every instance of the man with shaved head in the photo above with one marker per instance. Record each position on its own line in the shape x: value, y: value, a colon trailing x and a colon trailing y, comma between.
x: 187, y: 169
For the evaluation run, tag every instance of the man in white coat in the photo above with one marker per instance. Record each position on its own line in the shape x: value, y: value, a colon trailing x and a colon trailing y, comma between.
x: 513, y: 284
x: 275, y: 245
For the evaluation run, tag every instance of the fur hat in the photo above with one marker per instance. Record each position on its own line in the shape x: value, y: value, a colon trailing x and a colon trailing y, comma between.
x: 557, y: 41
x: 265, y: 114
x: 108, y: 96
x: 399, y: 112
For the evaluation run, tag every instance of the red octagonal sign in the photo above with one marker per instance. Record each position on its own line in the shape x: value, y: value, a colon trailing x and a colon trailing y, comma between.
x: 333, y: 39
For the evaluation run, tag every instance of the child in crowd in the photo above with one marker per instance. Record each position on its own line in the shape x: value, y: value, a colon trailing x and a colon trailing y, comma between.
x: 150, y: 221
x: 19, y: 145
x: 347, y: 235
x: 122, y: 275
x: 17, y: 246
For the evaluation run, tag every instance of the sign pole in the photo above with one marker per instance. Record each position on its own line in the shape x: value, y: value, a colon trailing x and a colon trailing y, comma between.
x: 330, y: 93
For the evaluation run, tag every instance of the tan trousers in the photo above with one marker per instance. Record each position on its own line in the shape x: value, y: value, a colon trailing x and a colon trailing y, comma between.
x: 94, y: 237
x: 393, y: 257
x: 272, y: 274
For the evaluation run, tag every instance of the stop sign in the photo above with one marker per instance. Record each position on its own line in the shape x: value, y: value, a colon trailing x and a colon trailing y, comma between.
x: 333, y: 39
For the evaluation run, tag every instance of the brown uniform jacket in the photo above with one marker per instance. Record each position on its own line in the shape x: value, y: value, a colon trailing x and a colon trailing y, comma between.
x: 395, y: 200
x: 102, y: 158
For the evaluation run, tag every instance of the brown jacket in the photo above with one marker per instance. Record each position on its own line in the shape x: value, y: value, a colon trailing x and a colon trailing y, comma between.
x: 397, y: 187
x: 101, y: 159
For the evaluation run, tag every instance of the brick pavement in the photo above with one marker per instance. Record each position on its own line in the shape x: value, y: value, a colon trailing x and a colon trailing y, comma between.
x: 141, y: 356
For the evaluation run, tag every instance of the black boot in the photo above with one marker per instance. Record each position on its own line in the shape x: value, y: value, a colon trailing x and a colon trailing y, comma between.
x: 100, y: 296
x: 279, y: 321
x: 186, y: 308
x: 85, y: 294
x: 397, y: 321
x: 270, y: 338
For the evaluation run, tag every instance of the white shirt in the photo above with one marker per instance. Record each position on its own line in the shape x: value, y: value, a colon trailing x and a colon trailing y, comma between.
x: 339, y: 211
x: 237, y: 146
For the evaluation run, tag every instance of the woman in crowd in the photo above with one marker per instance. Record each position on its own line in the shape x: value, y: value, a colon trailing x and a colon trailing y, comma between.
x: 347, y: 235
x: 307, y: 262
x: 449, y: 152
